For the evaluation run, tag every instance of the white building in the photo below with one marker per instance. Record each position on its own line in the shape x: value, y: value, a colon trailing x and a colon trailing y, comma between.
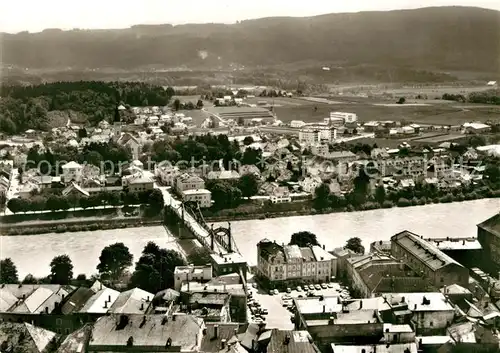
x: 297, y: 124
x: 319, y: 149
x: 280, y: 195
x: 202, y: 197
x: 188, y: 181
x: 72, y: 171
x: 347, y: 117
x: 190, y: 273
x: 167, y: 174
x: 317, y: 133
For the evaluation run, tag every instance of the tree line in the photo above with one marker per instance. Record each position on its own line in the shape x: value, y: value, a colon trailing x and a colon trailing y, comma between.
x: 484, y: 97
x: 153, y: 271
x: 29, y: 107
x: 52, y: 201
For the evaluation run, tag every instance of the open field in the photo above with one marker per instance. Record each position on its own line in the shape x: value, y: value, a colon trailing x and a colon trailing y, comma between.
x: 277, y: 101
x: 432, y: 92
x: 430, y: 114
x: 441, y: 138
x: 198, y: 116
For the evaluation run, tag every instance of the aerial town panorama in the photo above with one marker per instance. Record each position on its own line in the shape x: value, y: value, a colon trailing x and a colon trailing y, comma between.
x: 252, y: 197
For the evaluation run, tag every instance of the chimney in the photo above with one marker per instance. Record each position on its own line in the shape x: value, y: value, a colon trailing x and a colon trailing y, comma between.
x: 223, y: 343
x: 415, y: 307
x: 24, y: 296
x: 360, y: 304
x: 105, y: 304
x: 63, y: 297
x: 216, y: 331
x: 173, y: 317
x: 331, y: 321
x: 46, y: 310
x: 323, y: 246
x: 147, y: 299
x: 142, y: 306
x: 109, y: 298
x: 402, y: 299
x: 324, y: 308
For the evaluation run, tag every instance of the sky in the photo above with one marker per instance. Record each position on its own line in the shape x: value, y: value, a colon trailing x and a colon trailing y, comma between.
x: 36, y: 15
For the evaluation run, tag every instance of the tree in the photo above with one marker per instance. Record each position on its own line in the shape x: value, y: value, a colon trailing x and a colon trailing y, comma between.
x: 303, y: 239
x: 170, y: 91
x: 29, y: 279
x: 355, y: 245
x: 155, y: 269
x: 199, y: 257
x: 321, y: 196
x: 17, y: 205
x: 8, y: 271
x: 492, y: 173
x: 82, y: 133
x: 177, y: 104
x: 199, y: 104
x: 401, y: 100
x: 114, y: 260
x: 248, y: 140
x: 93, y: 158
x: 61, y: 270
x: 380, y: 194
x: 249, y: 185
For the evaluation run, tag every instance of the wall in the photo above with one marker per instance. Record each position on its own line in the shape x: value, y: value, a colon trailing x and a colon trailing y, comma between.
x: 327, y: 334
x: 451, y: 274
x: 432, y: 322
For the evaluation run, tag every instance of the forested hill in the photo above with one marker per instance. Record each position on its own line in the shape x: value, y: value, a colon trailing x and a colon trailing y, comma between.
x: 454, y: 38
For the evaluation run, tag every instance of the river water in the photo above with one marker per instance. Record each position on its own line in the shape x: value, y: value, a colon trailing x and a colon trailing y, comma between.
x: 33, y: 253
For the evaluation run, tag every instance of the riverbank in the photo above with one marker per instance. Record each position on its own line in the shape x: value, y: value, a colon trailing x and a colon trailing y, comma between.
x: 306, y: 208
x: 77, y: 225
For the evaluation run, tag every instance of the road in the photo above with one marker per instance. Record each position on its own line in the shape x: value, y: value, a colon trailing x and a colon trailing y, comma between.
x: 176, y: 205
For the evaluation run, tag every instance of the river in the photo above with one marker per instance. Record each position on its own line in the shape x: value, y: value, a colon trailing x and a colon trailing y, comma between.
x: 33, y: 253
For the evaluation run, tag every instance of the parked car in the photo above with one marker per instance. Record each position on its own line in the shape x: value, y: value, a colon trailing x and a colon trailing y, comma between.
x: 310, y: 294
x: 317, y: 287
x: 289, y: 290
x: 311, y: 286
x: 264, y: 312
x: 276, y: 292
x: 299, y: 289
x: 271, y: 292
x: 324, y: 286
x: 254, y: 285
x: 330, y: 285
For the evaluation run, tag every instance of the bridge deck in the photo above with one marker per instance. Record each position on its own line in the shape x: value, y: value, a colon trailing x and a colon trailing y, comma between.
x: 201, y: 232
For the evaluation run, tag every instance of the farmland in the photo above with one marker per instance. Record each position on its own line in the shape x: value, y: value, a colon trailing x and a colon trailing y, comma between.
x: 368, y: 109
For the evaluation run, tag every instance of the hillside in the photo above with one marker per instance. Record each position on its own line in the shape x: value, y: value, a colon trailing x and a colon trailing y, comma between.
x: 446, y: 38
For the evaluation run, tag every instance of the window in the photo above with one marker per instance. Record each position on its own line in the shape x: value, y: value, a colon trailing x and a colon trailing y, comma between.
x: 441, y: 279
x: 58, y: 322
x: 67, y: 331
x: 431, y: 324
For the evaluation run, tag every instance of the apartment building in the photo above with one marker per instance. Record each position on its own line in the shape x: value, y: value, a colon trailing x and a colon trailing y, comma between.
x: 313, y: 134
x: 288, y: 265
x: 202, y: 197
